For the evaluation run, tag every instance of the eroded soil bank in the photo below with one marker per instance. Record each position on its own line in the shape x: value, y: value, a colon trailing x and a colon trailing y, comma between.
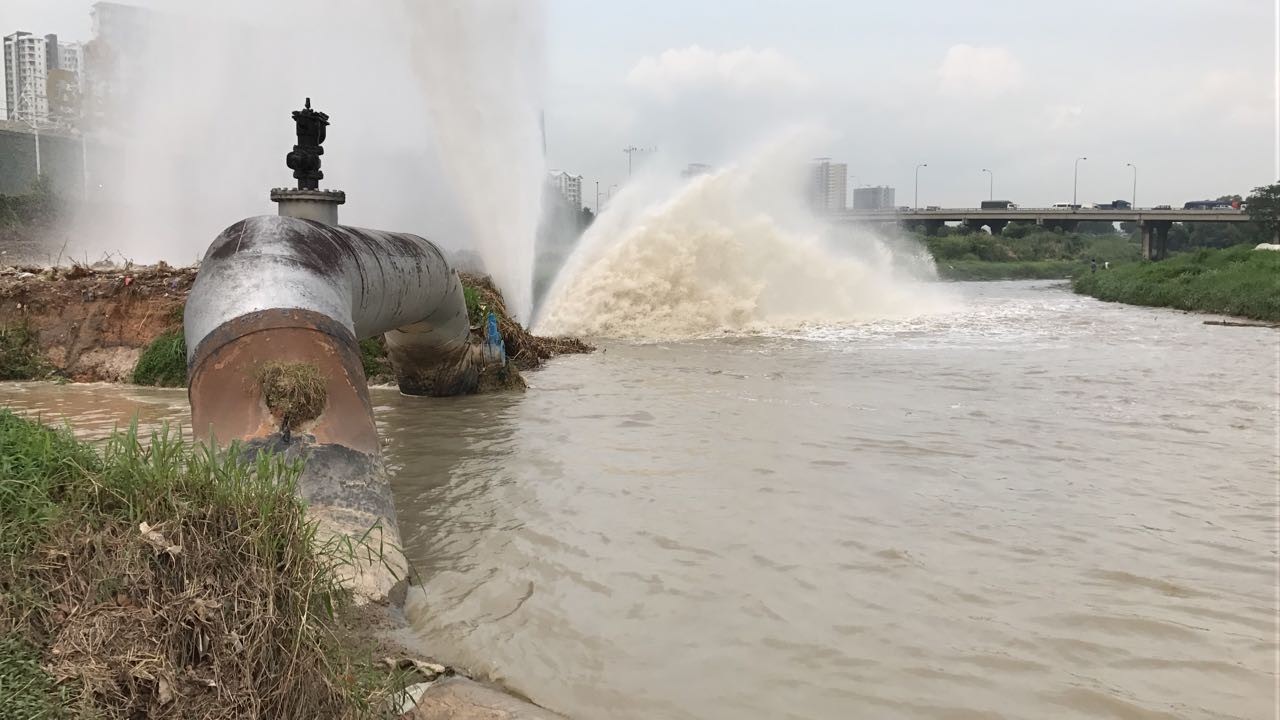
x: 93, y: 324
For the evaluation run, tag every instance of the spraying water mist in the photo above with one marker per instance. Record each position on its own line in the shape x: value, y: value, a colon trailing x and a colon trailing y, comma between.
x: 482, y: 64
x: 434, y: 124
x: 735, y: 250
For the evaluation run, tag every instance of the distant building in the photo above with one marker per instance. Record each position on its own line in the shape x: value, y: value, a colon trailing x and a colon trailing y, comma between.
x: 694, y: 169
x: 828, y: 185
x: 880, y: 197
x: 26, y: 74
x: 570, y: 186
x: 41, y: 77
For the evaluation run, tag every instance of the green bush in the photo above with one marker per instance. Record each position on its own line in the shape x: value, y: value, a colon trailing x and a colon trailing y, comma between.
x: 475, y: 311
x: 1023, y: 244
x: 373, y: 358
x: 20, y: 357
x: 164, y: 362
x: 1233, y: 281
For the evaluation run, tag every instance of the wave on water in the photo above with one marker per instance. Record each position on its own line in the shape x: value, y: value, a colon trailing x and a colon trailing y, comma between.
x: 733, y: 251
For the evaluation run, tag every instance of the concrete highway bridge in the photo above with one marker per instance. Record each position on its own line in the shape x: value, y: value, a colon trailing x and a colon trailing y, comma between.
x: 1154, y: 224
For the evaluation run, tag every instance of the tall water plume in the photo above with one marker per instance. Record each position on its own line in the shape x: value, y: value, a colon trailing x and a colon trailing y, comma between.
x: 482, y: 65
x: 424, y: 137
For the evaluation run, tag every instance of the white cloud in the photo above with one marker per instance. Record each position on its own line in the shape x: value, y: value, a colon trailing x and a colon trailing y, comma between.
x: 979, y: 71
x: 745, y: 71
x: 1064, y: 116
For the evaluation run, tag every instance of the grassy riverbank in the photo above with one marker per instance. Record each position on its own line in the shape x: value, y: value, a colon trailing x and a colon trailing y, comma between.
x: 1237, y: 281
x: 1024, y: 253
x: 154, y: 578
x: 1017, y: 270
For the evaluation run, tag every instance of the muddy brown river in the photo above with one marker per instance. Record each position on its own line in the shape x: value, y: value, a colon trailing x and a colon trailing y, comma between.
x: 1035, y: 506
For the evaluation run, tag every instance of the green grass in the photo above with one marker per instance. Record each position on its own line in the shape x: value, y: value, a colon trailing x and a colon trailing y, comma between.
x: 229, y: 553
x: 1237, y: 281
x: 1017, y: 270
x: 373, y: 358
x: 475, y: 305
x: 163, y: 363
x: 1025, y: 253
x: 20, y: 357
x: 26, y: 690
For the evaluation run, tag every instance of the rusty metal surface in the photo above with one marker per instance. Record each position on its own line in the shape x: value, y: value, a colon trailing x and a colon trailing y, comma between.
x: 226, y: 398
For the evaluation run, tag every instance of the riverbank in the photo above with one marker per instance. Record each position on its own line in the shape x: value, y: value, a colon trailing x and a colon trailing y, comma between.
x: 157, y: 578
x: 123, y: 324
x: 1025, y: 252
x: 1238, y: 281
x: 1017, y: 270
x: 152, y: 578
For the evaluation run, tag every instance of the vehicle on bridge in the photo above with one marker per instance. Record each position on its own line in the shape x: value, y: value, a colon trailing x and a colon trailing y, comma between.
x: 1113, y: 205
x: 998, y: 205
x: 1209, y: 205
x: 1065, y: 206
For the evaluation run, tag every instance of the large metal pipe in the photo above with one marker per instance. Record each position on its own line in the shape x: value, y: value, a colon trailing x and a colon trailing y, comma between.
x: 282, y: 289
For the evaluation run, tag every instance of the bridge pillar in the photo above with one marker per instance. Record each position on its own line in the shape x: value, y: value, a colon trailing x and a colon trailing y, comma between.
x: 997, y: 226
x: 1144, y: 227
x: 975, y: 225
x: 1162, y: 239
x: 931, y: 227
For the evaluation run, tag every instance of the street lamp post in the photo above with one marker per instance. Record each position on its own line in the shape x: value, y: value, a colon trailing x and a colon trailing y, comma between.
x: 991, y: 185
x: 921, y: 165
x: 1075, y: 182
x: 597, y: 197
x: 1135, y: 183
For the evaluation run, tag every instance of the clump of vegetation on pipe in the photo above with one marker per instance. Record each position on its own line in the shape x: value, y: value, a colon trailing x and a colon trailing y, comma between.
x: 294, y: 392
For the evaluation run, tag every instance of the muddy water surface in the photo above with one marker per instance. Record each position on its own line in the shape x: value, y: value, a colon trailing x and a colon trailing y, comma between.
x: 1037, y: 506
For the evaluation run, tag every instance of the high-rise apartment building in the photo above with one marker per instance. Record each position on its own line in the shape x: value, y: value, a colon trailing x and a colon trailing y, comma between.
x: 26, y: 74
x: 880, y: 197
x: 36, y: 69
x: 570, y: 186
x: 828, y: 185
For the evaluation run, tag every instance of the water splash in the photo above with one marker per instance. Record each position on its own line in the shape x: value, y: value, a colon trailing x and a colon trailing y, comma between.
x: 733, y: 251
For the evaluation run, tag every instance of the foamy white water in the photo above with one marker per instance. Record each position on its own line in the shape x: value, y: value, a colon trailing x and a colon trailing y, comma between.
x: 732, y: 251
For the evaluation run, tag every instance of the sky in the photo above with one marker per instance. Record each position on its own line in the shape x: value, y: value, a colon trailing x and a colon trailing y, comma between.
x: 1183, y: 89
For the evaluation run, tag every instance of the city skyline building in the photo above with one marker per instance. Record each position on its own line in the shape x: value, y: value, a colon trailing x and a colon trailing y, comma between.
x: 570, y: 186
x: 879, y: 197
x: 828, y: 185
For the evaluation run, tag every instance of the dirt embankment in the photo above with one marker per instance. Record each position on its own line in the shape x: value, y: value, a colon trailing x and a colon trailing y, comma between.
x: 91, y: 324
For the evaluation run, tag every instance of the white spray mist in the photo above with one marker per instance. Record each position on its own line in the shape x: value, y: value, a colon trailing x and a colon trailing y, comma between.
x: 424, y: 137
x: 481, y: 66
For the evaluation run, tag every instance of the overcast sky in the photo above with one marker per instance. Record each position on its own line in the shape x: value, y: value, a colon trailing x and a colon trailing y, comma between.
x: 1181, y: 88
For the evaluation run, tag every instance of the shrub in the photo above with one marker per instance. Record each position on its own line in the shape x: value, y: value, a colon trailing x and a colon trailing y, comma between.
x: 20, y: 357
x: 164, y: 362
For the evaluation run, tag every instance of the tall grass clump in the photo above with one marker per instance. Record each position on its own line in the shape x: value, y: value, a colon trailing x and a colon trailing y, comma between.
x: 164, y: 362
x: 1237, y: 281
x: 155, y: 578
